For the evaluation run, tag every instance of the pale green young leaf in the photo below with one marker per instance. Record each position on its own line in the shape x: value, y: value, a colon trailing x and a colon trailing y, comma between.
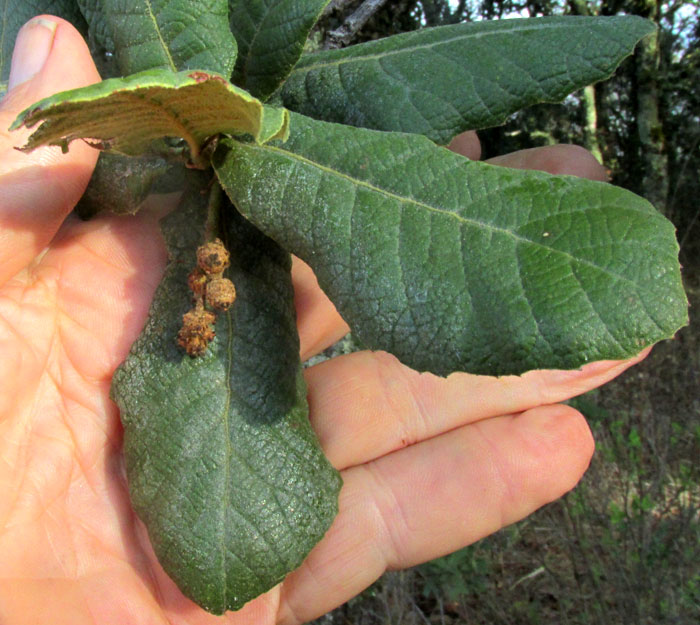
x: 128, y: 114
x: 441, y: 81
x: 13, y: 15
x: 169, y: 34
x: 456, y: 265
x: 271, y: 35
x: 222, y: 464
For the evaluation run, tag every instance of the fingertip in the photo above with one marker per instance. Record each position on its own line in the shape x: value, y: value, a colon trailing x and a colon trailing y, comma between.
x: 564, y: 159
x: 318, y: 321
x: 70, y: 63
x: 70, y: 45
x: 556, y: 446
x: 50, y: 55
x: 467, y: 144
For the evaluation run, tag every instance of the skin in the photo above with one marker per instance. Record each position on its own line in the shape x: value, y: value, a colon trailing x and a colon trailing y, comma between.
x: 429, y: 464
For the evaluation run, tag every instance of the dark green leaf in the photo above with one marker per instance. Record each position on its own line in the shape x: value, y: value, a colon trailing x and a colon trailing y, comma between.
x: 441, y: 81
x: 99, y: 33
x: 128, y: 114
x: 271, y: 35
x: 170, y: 34
x: 453, y: 264
x: 99, y: 38
x: 223, y: 466
x: 13, y: 15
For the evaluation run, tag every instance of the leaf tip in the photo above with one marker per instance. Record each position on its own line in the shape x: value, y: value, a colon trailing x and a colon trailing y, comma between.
x: 21, y: 119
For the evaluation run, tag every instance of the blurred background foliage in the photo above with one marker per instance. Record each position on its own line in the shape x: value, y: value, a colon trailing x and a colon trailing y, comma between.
x: 624, y: 546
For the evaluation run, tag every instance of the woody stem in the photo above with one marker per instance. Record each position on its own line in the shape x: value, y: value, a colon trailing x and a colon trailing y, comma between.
x: 213, y: 213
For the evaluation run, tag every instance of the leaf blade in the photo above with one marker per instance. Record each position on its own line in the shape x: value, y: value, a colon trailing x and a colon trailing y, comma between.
x: 263, y: 25
x: 170, y: 34
x: 193, y: 105
x: 223, y: 466
x: 442, y: 81
x: 454, y: 265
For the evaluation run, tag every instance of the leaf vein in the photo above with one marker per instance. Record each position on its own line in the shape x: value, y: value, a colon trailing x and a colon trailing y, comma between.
x: 153, y: 19
x: 427, y: 46
x: 451, y: 214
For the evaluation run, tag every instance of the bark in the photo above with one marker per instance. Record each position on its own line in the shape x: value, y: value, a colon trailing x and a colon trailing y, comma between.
x: 353, y: 24
x: 652, y: 154
x: 590, y: 132
x: 588, y: 100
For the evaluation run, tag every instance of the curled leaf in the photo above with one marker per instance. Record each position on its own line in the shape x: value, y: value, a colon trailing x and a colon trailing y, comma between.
x: 127, y: 115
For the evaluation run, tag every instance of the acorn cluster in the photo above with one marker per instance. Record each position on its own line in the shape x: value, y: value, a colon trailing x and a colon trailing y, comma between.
x: 211, y: 292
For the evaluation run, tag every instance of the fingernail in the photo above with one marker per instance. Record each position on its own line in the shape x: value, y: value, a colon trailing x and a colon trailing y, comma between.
x: 32, y: 48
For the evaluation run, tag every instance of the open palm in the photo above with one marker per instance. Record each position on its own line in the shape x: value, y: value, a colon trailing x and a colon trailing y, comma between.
x: 429, y: 464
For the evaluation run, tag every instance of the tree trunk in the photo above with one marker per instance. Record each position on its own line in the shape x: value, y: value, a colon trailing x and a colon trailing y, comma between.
x: 590, y: 132
x: 653, y: 158
x: 588, y: 100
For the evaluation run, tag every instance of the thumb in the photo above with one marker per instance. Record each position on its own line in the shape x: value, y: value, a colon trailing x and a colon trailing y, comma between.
x: 38, y: 190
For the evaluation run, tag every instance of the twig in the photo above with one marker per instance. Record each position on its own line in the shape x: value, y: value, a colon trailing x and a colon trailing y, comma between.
x: 524, y: 578
x: 344, y: 34
x: 213, y: 212
x: 336, y: 5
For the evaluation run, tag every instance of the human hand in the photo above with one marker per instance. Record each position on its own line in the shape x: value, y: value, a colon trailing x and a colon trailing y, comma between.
x: 429, y: 464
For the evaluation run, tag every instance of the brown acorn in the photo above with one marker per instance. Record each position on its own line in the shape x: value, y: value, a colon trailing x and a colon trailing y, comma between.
x: 213, y: 257
x: 194, y: 345
x: 220, y: 293
x: 197, y: 331
x: 197, y: 281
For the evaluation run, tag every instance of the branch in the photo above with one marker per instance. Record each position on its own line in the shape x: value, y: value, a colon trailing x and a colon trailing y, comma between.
x: 336, y: 5
x: 353, y: 24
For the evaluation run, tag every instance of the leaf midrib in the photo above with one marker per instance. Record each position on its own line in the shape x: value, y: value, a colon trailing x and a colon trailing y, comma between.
x: 408, y: 49
x: 251, y: 43
x: 226, y: 502
x: 149, y: 8
x: 459, y: 218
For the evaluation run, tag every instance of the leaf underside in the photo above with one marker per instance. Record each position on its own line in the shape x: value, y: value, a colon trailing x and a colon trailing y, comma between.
x: 128, y: 114
x: 223, y: 466
x: 172, y: 35
x: 271, y: 35
x: 441, y: 81
x: 456, y: 265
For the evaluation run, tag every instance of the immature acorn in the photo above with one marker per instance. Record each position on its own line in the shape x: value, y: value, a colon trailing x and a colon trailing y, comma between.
x: 213, y: 257
x: 197, y: 281
x: 197, y: 331
x: 220, y: 294
x: 194, y: 345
